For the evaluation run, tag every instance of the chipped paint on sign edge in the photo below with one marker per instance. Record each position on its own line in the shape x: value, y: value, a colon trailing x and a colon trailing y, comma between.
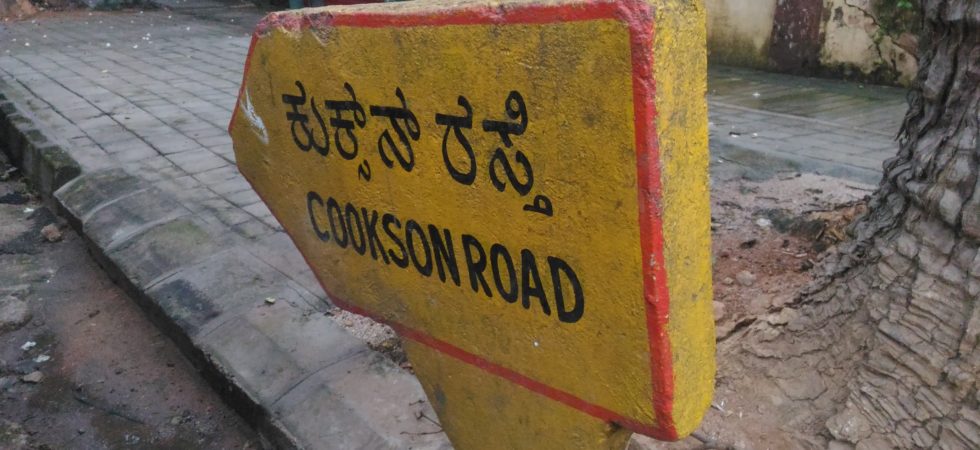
x: 258, y: 126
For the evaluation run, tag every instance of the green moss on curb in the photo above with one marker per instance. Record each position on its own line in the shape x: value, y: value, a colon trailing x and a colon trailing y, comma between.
x: 47, y: 166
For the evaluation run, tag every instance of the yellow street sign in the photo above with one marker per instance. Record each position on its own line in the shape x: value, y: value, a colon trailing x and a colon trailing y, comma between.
x: 518, y: 188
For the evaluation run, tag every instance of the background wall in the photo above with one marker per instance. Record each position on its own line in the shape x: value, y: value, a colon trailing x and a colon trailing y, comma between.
x: 869, y: 40
x: 862, y: 37
x: 739, y: 31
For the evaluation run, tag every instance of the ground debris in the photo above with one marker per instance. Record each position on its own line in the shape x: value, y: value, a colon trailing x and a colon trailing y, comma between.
x: 34, y: 377
x: 7, y: 382
x: 51, y: 233
x: 14, y: 198
x: 7, y: 173
x: 12, y: 435
x: 849, y: 426
x: 392, y: 348
x: 112, y: 411
x: 745, y: 278
x: 719, y: 310
x: 14, y: 313
x: 824, y: 227
x: 803, y: 214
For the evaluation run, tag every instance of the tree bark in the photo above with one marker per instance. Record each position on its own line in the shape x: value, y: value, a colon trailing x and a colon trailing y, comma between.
x: 887, y: 338
x: 918, y: 384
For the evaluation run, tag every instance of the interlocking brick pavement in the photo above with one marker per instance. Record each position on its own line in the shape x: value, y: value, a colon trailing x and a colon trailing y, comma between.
x: 151, y: 91
x: 834, y: 127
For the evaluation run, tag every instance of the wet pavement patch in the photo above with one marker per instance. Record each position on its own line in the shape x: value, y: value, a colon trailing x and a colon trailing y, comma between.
x: 13, y: 198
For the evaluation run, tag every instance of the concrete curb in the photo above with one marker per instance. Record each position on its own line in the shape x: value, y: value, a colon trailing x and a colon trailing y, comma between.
x: 296, y: 376
x: 45, y: 163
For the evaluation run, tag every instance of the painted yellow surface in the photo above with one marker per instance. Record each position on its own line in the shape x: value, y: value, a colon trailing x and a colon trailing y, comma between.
x: 680, y: 71
x: 575, y: 80
x: 485, y: 412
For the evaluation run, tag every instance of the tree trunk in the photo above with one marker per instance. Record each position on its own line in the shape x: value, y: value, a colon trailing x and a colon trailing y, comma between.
x: 887, y: 339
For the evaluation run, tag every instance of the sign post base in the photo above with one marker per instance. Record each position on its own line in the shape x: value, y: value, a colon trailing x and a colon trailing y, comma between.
x: 481, y: 412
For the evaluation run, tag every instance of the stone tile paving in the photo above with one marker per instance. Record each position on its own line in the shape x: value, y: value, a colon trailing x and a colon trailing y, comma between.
x: 833, y: 127
x: 150, y: 90
x: 864, y: 108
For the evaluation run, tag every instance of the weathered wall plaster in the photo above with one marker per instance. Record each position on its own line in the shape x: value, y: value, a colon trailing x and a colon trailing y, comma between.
x: 739, y: 30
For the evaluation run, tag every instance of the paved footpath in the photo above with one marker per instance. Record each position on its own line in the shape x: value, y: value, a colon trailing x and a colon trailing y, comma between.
x: 832, y: 127
x: 141, y: 100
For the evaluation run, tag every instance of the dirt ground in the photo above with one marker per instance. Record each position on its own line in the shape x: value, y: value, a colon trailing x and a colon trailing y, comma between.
x: 80, y: 366
x: 768, y: 238
x: 768, y: 235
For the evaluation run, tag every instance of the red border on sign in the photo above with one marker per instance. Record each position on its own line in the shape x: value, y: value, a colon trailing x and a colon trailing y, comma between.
x: 638, y: 16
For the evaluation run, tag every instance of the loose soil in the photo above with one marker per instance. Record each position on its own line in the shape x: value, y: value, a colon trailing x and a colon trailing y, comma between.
x: 778, y: 230
x: 86, y: 369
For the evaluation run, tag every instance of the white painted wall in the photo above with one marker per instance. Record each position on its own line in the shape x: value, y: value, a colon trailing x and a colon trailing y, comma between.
x: 739, y: 33
x: 739, y: 30
x: 852, y: 40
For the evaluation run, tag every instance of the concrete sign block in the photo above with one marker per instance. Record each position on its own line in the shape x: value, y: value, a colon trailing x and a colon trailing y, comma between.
x: 519, y: 188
